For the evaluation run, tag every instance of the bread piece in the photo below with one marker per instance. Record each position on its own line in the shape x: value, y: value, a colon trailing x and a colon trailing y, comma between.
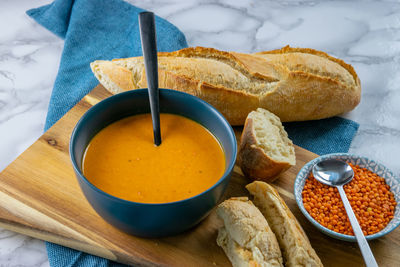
x: 246, y: 237
x: 295, y: 246
x: 265, y: 150
x: 295, y: 84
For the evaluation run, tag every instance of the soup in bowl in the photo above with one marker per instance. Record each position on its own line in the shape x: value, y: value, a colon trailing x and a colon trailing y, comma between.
x: 146, y: 190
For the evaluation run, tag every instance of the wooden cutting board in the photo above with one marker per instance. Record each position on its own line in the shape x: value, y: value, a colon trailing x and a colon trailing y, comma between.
x: 40, y: 197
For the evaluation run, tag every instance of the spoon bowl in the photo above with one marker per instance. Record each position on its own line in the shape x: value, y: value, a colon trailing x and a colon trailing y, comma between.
x: 333, y: 172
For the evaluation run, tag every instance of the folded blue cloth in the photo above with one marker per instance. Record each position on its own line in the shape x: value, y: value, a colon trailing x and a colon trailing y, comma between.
x: 107, y: 29
x: 333, y: 135
x: 94, y: 29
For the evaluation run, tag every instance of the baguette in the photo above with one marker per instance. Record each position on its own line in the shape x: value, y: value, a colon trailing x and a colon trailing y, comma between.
x: 246, y: 237
x: 295, y: 84
x: 294, y: 244
x: 265, y: 150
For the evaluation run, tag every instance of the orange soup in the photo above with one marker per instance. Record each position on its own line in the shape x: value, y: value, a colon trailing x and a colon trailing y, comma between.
x: 123, y: 161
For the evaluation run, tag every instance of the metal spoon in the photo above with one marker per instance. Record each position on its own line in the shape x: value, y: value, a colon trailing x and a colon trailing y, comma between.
x: 337, y: 173
x: 149, y: 47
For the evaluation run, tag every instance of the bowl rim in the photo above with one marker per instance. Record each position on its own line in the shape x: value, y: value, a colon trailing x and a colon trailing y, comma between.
x: 327, y: 231
x: 123, y: 95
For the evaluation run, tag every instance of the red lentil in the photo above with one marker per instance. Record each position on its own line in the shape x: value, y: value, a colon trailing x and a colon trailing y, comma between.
x: 369, y: 195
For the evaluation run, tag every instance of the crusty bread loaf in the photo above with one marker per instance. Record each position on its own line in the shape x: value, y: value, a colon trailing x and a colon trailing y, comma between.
x: 295, y: 246
x: 265, y: 149
x: 293, y: 83
x: 246, y: 237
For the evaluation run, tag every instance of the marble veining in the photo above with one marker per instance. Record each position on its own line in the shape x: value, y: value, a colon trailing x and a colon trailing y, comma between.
x: 363, y: 33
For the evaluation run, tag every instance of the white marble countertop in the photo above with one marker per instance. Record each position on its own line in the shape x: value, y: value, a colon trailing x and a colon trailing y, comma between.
x: 363, y: 33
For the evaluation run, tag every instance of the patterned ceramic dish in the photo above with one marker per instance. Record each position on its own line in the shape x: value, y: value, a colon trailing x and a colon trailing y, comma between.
x: 391, y: 180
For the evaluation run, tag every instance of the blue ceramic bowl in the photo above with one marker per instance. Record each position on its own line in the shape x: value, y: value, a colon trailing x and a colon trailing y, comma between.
x: 152, y: 220
x: 390, y: 178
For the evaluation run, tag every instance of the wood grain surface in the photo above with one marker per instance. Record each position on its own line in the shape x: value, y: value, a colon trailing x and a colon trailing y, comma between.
x: 40, y: 197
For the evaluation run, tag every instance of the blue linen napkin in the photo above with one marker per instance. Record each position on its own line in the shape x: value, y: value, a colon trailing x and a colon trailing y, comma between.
x: 94, y: 29
x: 107, y: 29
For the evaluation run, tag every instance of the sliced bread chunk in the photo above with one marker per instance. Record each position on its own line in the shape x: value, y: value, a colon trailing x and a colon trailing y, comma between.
x: 265, y: 149
x: 246, y: 237
x: 295, y: 246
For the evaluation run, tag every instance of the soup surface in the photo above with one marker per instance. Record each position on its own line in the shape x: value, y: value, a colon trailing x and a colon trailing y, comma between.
x: 123, y: 161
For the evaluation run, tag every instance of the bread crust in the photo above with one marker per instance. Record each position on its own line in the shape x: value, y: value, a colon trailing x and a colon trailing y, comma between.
x: 253, y: 161
x: 295, y: 246
x: 287, y: 49
x: 291, y: 94
x: 246, y: 236
x: 114, y: 78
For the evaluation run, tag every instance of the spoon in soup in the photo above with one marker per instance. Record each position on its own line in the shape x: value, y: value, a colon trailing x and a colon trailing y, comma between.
x: 149, y: 47
x: 337, y: 173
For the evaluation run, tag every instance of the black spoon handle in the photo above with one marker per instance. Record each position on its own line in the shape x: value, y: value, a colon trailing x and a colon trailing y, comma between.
x: 149, y: 46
